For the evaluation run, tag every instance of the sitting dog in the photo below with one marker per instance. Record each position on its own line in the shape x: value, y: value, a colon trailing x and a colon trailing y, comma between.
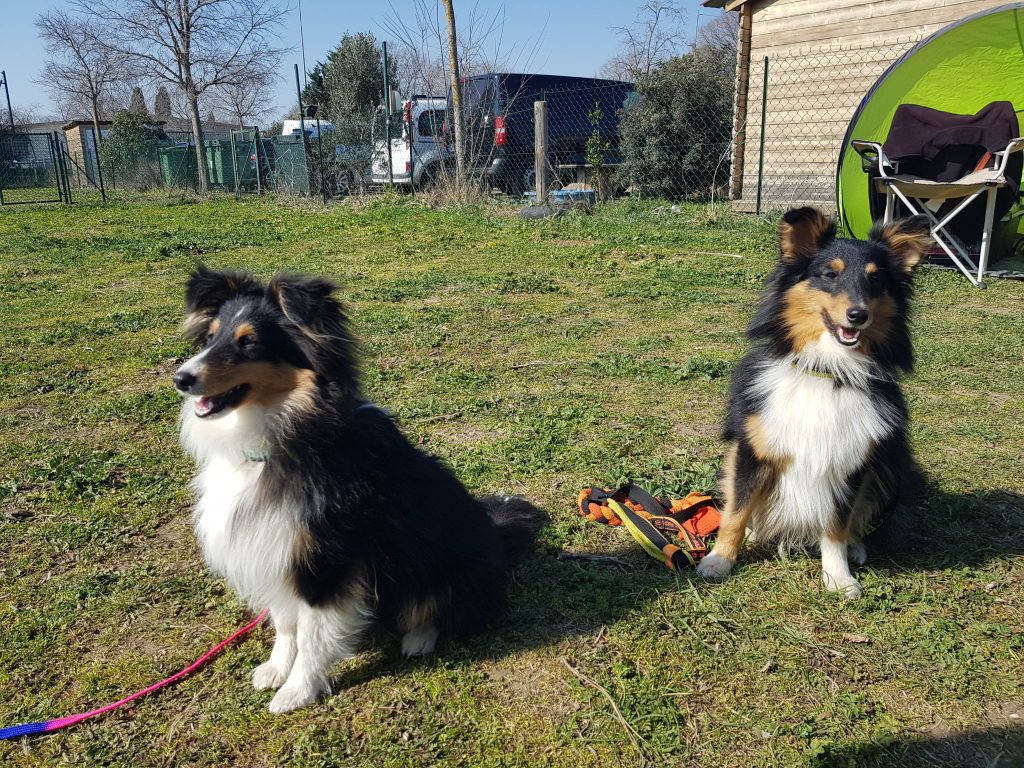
x: 817, y: 425
x: 311, y: 502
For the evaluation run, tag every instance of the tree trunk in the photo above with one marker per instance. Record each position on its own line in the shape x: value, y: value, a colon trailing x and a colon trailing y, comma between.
x: 453, y: 61
x: 197, y: 134
x: 96, y: 120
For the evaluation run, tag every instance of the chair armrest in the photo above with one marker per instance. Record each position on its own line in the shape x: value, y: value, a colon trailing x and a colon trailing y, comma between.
x: 872, y: 152
x: 1015, y: 145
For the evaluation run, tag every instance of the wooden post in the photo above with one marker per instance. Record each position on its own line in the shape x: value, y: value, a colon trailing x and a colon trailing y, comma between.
x: 540, y: 149
x: 764, y: 112
x: 739, y: 119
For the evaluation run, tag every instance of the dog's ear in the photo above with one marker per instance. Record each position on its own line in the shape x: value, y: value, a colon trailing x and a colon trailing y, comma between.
x: 207, y: 289
x: 802, y: 233
x: 906, y: 239
x: 303, y: 300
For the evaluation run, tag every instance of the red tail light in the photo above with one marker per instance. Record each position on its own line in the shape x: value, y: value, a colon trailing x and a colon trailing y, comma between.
x: 500, y: 132
x: 408, y: 167
x: 408, y: 123
x: 444, y: 133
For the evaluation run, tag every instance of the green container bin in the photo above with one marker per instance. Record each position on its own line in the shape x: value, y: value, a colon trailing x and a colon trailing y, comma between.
x: 219, y: 168
x: 178, y: 165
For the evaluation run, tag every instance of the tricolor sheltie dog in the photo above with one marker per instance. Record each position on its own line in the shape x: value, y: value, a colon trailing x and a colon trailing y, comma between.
x: 817, y: 425
x: 311, y: 502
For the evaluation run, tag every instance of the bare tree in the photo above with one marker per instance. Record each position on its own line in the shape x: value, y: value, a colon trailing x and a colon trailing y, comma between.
x: 23, y: 114
x: 79, y: 70
x: 655, y: 37
x: 195, y: 45
x: 246, y: 101
x: 720, y: 34
x: 456, y: 90
x: 420, y: 31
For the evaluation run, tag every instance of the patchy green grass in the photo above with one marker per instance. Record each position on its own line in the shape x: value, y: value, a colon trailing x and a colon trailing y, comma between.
x: 535, y: 358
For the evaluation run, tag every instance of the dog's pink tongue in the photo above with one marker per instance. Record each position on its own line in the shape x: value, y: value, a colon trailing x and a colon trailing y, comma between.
x: 203, y: 406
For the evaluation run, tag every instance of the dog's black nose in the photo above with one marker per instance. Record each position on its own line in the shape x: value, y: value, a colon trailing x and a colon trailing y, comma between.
x: 857, y: 315
x: 184, y: 381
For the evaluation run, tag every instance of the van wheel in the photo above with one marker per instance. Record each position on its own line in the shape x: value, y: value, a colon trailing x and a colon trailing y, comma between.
x: 429, y: 179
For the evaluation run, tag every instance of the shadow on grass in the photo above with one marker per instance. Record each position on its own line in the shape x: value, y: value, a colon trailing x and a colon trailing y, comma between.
x: 550, y: 600
x: 942, y: 530
x: 1000, y: 747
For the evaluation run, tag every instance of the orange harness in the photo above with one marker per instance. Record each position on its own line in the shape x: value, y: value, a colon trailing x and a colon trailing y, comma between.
x: 689, y: 520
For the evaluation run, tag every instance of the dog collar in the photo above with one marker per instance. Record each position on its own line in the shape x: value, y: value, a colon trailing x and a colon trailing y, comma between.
x: 812, y: 371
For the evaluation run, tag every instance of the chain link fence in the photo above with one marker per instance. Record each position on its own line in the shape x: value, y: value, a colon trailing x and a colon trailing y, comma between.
x: 798, y: 106
x: 764, y: 135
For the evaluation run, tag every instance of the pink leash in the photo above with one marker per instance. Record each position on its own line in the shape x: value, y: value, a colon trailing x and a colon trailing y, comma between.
x: 47, y: 726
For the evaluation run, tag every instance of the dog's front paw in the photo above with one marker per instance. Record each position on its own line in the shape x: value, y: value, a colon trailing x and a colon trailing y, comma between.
x: 294, y: 696
x: 715, y: 567
x: 268, y: 676
x: 844, y: 583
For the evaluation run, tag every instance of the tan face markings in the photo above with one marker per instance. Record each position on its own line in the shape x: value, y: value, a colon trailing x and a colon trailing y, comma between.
x: 270, y: 383
x: 803, y: 311
x: 214, y: 326
x: 837, y: 265
x: 244, y: 329
x: 870, y: 268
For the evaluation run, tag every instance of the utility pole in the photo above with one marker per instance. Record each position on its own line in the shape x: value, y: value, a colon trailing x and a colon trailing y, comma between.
x: 10, y: 114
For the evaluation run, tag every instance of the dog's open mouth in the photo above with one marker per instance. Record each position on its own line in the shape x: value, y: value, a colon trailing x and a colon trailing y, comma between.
x: 848, y: 337
x: 211, y: 404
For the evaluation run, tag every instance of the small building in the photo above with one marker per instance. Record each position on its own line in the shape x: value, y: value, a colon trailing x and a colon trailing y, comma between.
x: 805, y: 65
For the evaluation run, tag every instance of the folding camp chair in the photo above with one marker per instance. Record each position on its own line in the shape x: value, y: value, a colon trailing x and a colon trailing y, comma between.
x: 917, y: 194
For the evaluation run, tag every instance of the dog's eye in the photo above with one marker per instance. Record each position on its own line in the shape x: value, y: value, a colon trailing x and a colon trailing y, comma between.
x: 246, y: 341
x: 831, y: 274
x: 875, y: 277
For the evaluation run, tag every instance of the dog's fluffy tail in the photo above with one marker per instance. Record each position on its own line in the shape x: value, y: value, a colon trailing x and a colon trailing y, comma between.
x: 518, y: 523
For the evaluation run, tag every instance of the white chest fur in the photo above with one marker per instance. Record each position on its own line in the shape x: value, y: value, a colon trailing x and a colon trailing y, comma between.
x: 247, y: 539
x: 824, y: 433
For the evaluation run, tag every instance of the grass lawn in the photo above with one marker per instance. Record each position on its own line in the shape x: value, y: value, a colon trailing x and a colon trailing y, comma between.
x: 536, y: 358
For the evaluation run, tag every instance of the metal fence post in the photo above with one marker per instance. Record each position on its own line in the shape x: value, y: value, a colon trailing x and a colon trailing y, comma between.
x: 234, y: 159
x: 764, y: 111
x: 387, y: 114
x: 257, y: 142
x: 99, y: 166
x: 320, y: 149
x: 540, y: 150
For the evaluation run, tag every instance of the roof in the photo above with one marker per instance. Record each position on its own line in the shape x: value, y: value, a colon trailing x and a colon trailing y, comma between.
x: 729, y: 5
x: 76, y: 123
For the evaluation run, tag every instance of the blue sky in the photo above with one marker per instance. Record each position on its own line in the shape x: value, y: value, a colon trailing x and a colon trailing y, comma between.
x: 571, y: 38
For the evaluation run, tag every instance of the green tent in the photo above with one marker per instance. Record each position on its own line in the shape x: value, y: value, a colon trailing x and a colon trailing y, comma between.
x: 960, y: 68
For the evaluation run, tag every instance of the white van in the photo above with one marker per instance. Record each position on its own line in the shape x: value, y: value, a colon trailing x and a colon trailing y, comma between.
x: 417, y: 144
x: 294, y: 128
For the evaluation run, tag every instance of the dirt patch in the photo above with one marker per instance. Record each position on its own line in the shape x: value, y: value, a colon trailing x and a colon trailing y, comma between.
x: 466, y: 435
x: 535, y: 686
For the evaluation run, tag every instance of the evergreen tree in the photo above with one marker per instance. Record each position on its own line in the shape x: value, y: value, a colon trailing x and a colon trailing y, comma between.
x: 162, y: 104
x: 138, y: 103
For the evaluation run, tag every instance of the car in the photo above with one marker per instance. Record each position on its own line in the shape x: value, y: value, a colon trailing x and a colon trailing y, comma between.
x: 417, y: 149
x: 498, y: 112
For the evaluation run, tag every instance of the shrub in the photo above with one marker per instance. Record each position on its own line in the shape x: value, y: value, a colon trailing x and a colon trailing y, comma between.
x: 675, y: 136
